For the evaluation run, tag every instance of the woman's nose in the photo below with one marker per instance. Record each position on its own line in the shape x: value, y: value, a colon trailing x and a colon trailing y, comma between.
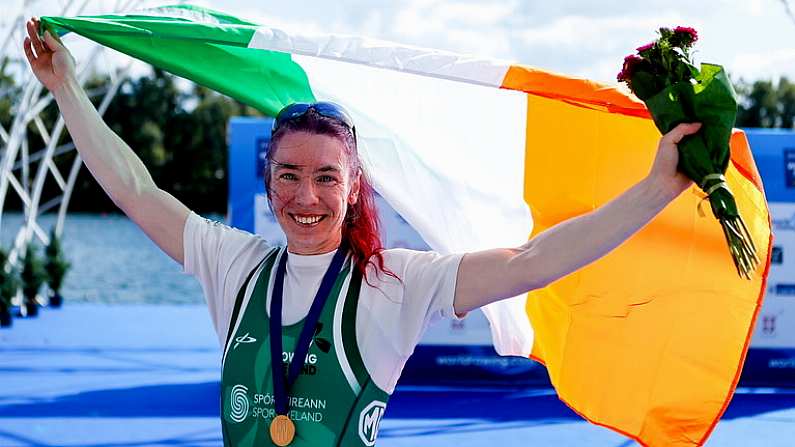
x: 306, y: 194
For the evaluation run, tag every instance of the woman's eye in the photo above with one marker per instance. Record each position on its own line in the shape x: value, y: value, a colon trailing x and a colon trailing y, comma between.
x: 326, y: 179
x: 288, y: 176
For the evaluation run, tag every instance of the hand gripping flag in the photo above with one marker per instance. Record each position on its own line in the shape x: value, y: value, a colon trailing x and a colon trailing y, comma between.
x: 649, y: 340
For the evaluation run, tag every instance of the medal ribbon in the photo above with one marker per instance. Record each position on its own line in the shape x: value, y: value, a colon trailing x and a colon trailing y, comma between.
x: 282, y: 384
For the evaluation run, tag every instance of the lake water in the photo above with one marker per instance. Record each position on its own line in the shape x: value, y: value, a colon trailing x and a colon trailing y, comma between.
x: 113, y: 262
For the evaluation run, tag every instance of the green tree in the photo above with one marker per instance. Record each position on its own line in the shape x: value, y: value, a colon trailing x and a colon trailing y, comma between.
x: 9, y: 94
x: 9, y: 284
x: 179, y: 135
x: 787, y: 103
x: 56, y: 266
x: 765, y: 103
x: 139, y: 113
x: 33, y: 276
x: 197, y: 141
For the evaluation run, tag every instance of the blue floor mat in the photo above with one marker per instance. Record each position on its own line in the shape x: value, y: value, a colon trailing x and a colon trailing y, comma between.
x: 132, y: 376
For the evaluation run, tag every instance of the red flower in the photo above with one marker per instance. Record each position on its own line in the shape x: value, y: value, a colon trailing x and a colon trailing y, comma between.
x: 630, y: 64
x: 646, y: 47
x: 687, y: 32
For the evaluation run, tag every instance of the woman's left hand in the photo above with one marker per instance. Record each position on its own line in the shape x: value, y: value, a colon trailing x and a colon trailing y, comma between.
x: 664, y: 173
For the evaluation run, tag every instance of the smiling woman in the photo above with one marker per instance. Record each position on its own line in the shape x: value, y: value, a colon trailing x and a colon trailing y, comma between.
x: 345, y: 312
x: 352, y: 310
x: 310, y: 187
x: 316, y: 187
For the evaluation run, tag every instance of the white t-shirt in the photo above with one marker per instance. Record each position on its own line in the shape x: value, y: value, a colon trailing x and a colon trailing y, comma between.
x: 391, y: 317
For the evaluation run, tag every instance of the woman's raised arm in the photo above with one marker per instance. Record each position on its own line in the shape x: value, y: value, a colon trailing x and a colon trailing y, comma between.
x: 112, y: 163
x: 492, y: 275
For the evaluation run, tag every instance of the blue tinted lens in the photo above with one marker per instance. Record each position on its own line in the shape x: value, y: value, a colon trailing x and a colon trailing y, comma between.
x: 290, y: 112
x: 327, y: 109
x: 331, y: 110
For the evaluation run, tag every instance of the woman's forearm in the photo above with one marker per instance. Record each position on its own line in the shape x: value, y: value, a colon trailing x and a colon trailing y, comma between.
x: 574, y: 243
x: 111, y: 161
x: 490, y: 275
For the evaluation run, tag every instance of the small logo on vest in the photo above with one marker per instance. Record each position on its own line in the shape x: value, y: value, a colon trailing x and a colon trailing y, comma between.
x: 238, y: 401
x: 243, y: 339
x: 369, y: 420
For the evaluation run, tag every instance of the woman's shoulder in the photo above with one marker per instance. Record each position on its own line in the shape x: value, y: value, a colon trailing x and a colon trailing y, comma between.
x: 210, y: 226
x: 407, y: 253
x: 214, y: 237
x: 407, y: 256
x: 400, y: 258
x: 408, y: 264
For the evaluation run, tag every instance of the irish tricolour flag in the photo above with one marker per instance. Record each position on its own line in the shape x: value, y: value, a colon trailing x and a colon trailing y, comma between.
x: 478, y: 153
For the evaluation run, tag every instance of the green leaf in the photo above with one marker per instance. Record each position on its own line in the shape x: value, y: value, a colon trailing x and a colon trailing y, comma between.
x: 711, y: 101
x: 644, y: 84
x: 714, y: 103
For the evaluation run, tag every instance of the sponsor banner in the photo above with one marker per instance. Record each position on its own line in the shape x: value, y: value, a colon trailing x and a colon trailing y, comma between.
x: 769, y: 367
x: 774, y: 154
x: 248, y: 140
x: 775, y: 326
x: 459, y: 365
x: 265, y: 222
x: 473, y: 330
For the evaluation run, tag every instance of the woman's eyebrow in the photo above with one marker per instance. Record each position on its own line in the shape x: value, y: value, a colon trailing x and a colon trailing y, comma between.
x: 328, y: 168
x: 281, y: 165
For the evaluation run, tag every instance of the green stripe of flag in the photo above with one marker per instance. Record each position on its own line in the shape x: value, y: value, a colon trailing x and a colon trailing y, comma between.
x: 212, y: 52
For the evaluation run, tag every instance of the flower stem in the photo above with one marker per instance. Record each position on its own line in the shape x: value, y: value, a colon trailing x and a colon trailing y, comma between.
x: 741, y: 245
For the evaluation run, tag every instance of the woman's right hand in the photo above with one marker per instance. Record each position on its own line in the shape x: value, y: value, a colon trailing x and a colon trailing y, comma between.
x: 50, y: 61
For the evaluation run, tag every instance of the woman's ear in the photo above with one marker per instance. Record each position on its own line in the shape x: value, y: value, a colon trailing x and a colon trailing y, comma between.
x: 356, y: 182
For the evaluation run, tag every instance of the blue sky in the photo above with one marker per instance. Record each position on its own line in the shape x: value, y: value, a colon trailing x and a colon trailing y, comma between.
x: 753, y: 38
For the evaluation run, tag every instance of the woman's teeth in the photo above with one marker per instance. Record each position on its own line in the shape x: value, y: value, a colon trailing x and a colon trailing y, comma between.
x: 307, y: 220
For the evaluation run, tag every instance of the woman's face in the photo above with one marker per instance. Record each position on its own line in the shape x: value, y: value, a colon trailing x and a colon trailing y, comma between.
x: 311, y: 188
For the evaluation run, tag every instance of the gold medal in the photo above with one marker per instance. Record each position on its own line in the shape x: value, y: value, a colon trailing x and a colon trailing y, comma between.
x: 282, y: 430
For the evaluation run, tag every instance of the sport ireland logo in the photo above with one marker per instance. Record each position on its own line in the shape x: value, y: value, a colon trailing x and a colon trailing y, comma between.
x: 369, y: 420
x: 238, y: 402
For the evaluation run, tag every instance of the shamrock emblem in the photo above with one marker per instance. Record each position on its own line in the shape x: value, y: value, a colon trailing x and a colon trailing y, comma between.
x: 322, y: 344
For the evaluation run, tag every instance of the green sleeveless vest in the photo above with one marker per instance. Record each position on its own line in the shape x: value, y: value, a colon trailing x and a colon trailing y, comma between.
x: 333, y: 402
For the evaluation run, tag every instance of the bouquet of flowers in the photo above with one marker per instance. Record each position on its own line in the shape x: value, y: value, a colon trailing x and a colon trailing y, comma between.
x: 663, y: 76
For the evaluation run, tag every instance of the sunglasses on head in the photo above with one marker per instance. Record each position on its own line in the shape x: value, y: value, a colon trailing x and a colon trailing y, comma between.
x: 323, y: 108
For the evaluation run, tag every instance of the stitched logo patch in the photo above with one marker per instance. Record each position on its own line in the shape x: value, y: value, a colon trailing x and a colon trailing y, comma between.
x: 369, y: 420
x: 238, y: 401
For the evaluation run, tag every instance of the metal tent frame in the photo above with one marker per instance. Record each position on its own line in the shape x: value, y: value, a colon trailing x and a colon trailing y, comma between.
x: 17, y: 161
